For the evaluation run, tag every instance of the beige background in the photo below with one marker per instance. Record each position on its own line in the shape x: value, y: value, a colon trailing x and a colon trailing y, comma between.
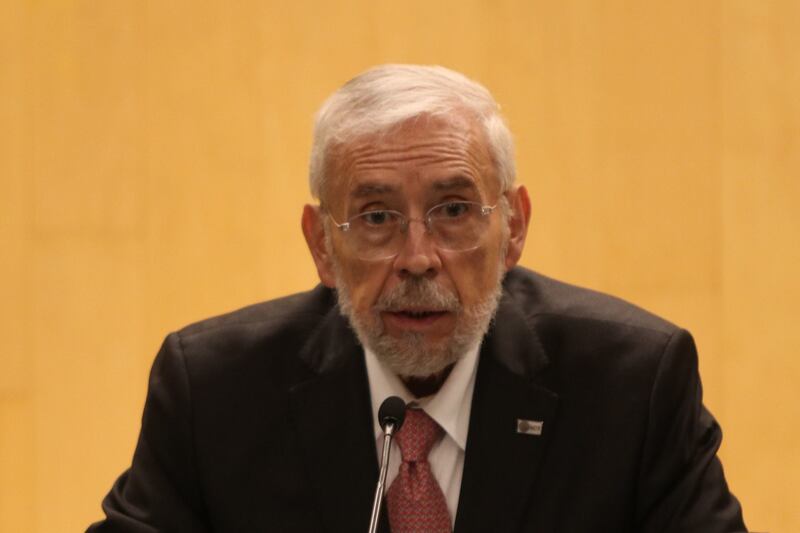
x: 153, y: 167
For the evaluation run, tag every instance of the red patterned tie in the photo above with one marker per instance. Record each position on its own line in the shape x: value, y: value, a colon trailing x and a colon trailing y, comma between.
x: 415, y: 501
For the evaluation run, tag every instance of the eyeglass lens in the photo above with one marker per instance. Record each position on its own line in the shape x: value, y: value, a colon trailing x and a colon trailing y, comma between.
x: 453, y: 226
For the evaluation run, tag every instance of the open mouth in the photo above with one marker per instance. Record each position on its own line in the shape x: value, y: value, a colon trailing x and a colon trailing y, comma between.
x: 414, y: 319
x: 418, y: 315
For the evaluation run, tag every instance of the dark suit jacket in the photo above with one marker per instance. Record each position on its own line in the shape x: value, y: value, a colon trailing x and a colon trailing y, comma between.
x: 260, y: 420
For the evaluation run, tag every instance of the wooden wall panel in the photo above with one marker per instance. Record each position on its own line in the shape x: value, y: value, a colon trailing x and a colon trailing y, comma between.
x: 86, y: 394
x: 761, y: 255
x: 18, y: 459
x: 153, y: 167
x: 17, y: 445
x: 14, y: 201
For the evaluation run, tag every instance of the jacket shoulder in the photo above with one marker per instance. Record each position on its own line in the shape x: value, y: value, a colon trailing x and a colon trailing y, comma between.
x: 261, y: 341
x: 297, y: 310
x: 540, y: 296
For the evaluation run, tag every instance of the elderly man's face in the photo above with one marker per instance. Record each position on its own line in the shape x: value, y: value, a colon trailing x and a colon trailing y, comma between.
x: 421, y: 309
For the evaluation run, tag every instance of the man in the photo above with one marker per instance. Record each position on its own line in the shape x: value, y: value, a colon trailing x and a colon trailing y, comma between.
x: 535, y: 406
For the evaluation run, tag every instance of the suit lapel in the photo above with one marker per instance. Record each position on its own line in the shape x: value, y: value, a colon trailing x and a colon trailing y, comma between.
x: 333, y: 418
x: 501, y: 464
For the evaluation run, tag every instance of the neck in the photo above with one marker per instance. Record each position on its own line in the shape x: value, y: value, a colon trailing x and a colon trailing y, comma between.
x: 426, y: 386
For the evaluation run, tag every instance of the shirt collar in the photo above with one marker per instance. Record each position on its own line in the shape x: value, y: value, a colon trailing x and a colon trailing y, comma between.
x: 450, y: 407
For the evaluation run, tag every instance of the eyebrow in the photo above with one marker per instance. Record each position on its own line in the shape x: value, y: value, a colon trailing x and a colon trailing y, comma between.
x: 364, y: 190
x: 455, y: 183
x: 371, y: 189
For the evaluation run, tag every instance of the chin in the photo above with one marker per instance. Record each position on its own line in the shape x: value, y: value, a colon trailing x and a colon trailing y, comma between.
x: 412, y: 356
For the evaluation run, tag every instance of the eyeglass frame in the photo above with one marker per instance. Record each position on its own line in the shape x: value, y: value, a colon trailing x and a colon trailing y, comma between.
x: 485, y: 210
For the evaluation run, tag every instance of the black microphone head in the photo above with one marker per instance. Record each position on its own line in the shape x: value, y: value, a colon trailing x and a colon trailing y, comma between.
x: 392, y: 410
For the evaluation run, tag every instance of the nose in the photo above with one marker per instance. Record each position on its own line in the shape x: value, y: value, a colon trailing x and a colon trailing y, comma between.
x: 418, y: 256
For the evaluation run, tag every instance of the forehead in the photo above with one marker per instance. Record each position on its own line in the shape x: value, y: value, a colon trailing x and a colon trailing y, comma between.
x: 427, y: 154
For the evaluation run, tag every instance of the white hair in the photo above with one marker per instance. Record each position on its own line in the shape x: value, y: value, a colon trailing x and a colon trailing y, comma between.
x: 385, y: 96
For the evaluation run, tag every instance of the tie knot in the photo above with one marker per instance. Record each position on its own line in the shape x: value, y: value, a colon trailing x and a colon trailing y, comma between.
x: 417, y: 435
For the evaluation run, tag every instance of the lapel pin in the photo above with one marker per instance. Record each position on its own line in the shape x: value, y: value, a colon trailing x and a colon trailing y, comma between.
x: 529, y: 427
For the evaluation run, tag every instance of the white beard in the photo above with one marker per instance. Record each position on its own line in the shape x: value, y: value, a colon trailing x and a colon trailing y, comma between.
x: 410, y: 354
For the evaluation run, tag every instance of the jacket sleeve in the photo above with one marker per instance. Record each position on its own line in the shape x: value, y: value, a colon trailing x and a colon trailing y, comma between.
x: 682, y: 487
x: 161, y: 491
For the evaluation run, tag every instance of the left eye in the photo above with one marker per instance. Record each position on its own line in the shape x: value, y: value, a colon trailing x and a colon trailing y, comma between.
x: 453, y: 209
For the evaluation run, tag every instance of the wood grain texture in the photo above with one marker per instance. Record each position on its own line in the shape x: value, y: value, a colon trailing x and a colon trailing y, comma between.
x: 153, y: 163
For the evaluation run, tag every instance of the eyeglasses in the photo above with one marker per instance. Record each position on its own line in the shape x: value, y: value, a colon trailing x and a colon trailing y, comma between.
x: 456, y: 226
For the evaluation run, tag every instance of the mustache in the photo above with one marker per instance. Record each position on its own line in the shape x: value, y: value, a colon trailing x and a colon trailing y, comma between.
x: 418, y: 293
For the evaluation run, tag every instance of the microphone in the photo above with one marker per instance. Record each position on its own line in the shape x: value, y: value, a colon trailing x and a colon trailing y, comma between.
x: 392, y: 411
x: 391, y: 414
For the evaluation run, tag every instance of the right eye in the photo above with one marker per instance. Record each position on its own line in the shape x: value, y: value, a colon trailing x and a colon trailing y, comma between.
x: 376, y: 218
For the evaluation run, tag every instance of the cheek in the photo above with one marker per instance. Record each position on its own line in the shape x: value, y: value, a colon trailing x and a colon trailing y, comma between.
x: 474, y: 274
x: 365, y: 282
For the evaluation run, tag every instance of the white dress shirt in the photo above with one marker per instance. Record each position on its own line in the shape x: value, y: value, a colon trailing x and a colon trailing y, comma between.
x: 450, y: 408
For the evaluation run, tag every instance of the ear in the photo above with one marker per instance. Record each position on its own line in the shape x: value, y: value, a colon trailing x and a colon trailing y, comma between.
x: 518, y: 220
x: 314, y: 232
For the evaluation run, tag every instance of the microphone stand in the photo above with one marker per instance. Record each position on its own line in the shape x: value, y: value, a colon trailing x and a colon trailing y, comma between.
x: 388, y: 433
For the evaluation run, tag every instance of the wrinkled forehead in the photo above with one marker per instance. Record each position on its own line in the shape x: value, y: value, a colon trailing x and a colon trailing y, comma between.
x: 440, y: 149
